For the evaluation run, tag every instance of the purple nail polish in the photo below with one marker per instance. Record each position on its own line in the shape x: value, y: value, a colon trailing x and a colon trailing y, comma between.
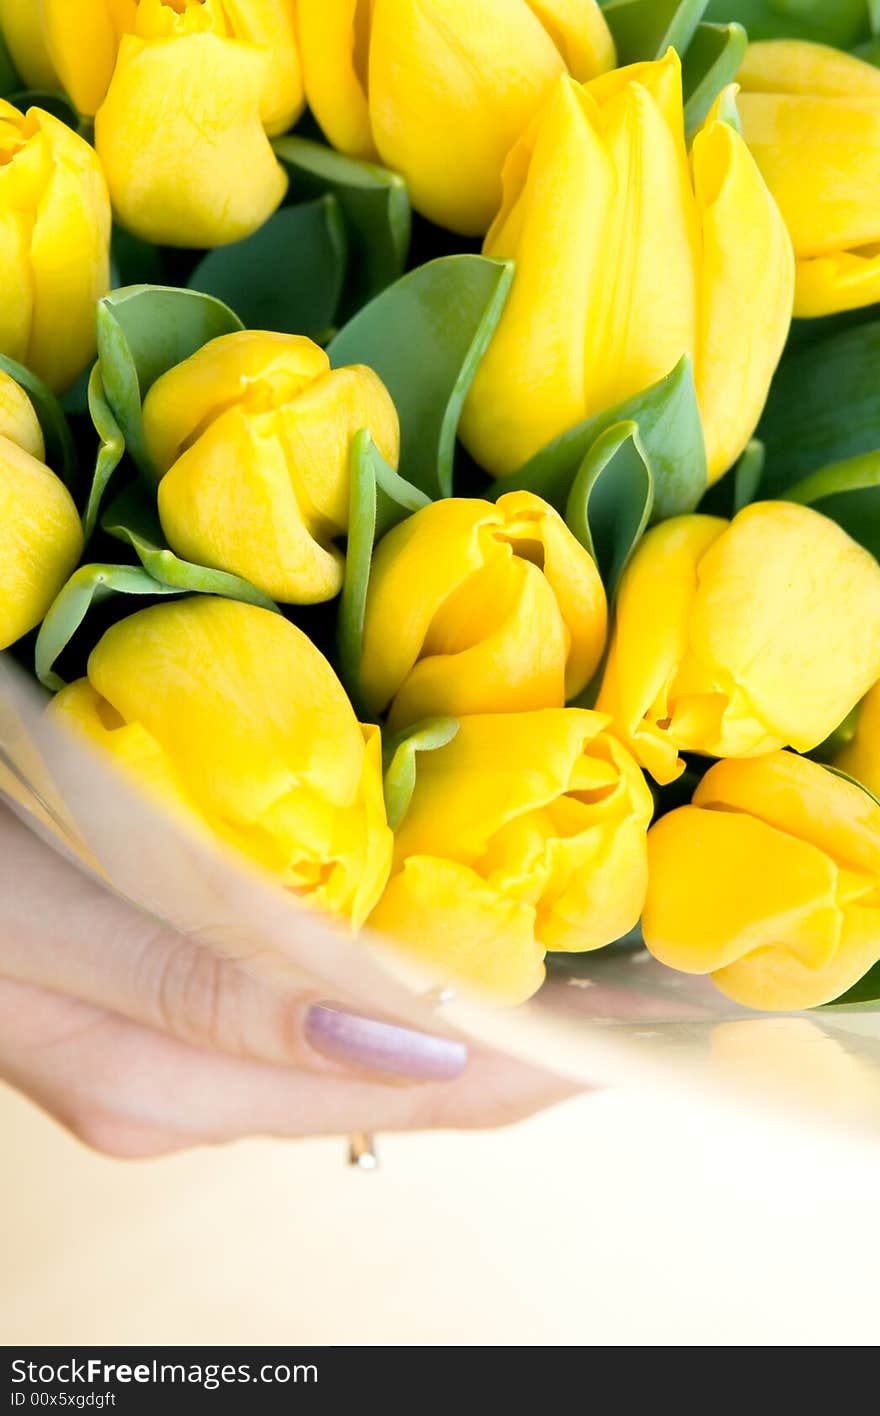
x: 389, y: 1048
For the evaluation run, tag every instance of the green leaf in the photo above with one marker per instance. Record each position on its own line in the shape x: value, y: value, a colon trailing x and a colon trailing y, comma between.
x: 175, y: 574
x: 824, y: 406
x: 110, y: 450
x: 87, y: 586
x: 425, y: 336
x: 644, y: 29
x: 670, y: 432
x: 849, y: 493
x: 287, y: 276
x: 144, y: 330
x: 379, y: 500
x: 375, y: 208
x: 712, y: 61
x: 400, y: 755
x: 837, y: 22
x: 611, y: 500
x: 60, y: 451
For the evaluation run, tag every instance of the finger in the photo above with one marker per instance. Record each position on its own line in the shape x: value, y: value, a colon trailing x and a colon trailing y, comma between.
x: 63, y: 931
x: 129, y: 1091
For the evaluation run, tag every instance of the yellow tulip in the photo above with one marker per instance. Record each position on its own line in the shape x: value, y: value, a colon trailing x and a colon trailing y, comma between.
x: 738, y: 638
x: 54, y: 244
x: 861, y: 756
x: 628, y: 255
x: 527, y: 832
x: 180, y: 131
x: 770, y: 881
x: 441, y: 92
x: 480, y: 608
x: 22, y: 30
x: 232, y: 717
x: 40, y: 533
x: 251, y: 437
x: 811, y: 116
x: 84, y: 38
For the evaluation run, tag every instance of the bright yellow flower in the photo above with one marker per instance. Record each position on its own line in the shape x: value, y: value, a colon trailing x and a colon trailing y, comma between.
x: 770, y: 881
x: 195, y: 169
x: 54, y: 244
x: 629, y: 255
x: 251, y: 437
x: 22, y: 29
x: 230, y: 715
x: 480, y: 608
x: 861, y: 756
x: 525, y: 833
x: 811, y: 116
x: 84, y: 38
x: 441, y: 92
x: 739, y: 638
x: 40, y: 533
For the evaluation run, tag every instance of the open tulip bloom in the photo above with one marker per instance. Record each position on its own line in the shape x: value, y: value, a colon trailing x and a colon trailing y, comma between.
x: 457, y: 503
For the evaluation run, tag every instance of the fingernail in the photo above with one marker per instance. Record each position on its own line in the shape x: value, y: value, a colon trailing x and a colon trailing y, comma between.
x: 403, y: 1053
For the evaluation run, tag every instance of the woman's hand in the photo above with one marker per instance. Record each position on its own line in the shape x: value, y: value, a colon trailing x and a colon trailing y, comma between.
x: 142, y: 1041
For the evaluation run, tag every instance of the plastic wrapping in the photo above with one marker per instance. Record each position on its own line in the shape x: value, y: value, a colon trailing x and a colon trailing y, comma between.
x: 614, y: 1017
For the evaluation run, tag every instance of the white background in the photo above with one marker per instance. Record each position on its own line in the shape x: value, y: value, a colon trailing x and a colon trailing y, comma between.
x: 620, y: 1218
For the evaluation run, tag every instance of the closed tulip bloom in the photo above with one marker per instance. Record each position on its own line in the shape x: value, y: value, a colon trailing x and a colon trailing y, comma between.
x: 861, y: 756
x: 441, y: 92
x: 480, y: 608
x: 83, y: 41
x: 21, y: 29
x: 54, y: 245
x: 811, y: 117
x: 738, y: 638
x: 629, y: 255
x: 527, y: 832
x: 230, y: 715
x: 251, y: 438
x: 198, y: 171
x: 769, y: 881
x: 40, y: 533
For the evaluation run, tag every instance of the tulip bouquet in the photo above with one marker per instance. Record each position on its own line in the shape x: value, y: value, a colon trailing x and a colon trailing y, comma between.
x: 440, y: 460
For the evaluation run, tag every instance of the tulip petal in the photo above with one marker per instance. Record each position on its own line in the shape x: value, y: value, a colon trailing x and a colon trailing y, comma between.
x: 723, y: 884
x: 272, y: 24
x: 230, y: 502
x: 451, y: 87
x: 82, y: 41
x: 746, y: 295
x: 803, y: 798
x: 447, y: 916
x: 777, y: 978
x: 198, y: 172
x: 798, y: 67
x: 40, y: 540
x: 18, y: 421
x: 846, y: 280
x: 334, y: 44
x: 581, y: 34
x: 782, y: 595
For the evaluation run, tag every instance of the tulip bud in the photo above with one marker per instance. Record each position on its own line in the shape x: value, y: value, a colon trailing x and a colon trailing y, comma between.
x: 251, y: 437
x: 653, y: 257
x: 232, y: 717
x: 84, y: 39
x: 54, y: 245
x: 525, y: 833
x: 480, y: 608
x: 811, y: 117
x: 770, y: 881
x: 40, y: 533
x: 198, y: 171
x: 738, y: 638
x: 440, y: 92
x: 22, y: 31
x: 860, y: 758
